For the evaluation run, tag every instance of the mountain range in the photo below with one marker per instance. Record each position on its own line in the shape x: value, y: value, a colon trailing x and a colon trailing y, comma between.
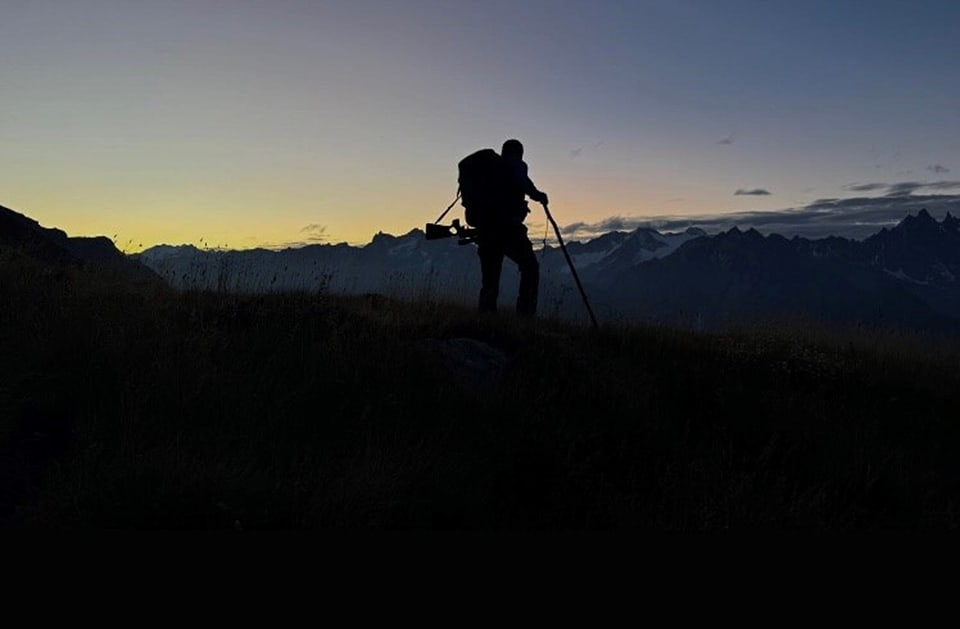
x: 906, y: 276
x: 407, y: 266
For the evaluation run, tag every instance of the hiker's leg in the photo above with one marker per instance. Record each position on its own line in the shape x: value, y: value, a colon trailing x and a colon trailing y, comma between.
x: 491, y: 262
x: 520, y: 250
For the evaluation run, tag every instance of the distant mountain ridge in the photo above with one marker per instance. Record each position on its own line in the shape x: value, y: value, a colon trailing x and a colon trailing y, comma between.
x: 904, y: 276
x: 907, y: 276
x: 406, y: 266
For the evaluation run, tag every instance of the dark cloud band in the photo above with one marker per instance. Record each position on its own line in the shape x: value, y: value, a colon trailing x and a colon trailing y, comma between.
x: 904, y: 187
x: 851, y: 218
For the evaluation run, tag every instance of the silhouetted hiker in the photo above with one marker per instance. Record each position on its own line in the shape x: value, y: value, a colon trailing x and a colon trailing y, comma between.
x: 507, y: 236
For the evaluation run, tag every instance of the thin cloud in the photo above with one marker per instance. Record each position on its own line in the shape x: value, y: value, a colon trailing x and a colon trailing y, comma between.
x: 942, y: 185
x: 315, y: 233
x: 312, y: 234
x: 903, y: 188
x: 866, y: 187
x: 909, y: 187
x: 616, y: 223
x: 938, y: 169
x: 756, y: 192
x: 575, y: 153
x: 727, y: 141
x: 609, y: 224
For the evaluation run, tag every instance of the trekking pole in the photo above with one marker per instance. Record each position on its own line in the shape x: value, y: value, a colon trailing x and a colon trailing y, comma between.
x: 573, y: 270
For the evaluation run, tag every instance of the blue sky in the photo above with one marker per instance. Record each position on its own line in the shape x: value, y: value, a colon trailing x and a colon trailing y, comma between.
x: 247, y: 123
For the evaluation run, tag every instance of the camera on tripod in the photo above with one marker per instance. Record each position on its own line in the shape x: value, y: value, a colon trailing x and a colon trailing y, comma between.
x: 465, y: 235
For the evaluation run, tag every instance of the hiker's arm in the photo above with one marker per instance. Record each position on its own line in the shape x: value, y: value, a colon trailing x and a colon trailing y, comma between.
x: 531, y: 190
x: 537, y: 195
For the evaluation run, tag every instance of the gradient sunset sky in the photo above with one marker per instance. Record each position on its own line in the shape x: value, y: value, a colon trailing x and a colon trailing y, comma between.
x: 264, y: 123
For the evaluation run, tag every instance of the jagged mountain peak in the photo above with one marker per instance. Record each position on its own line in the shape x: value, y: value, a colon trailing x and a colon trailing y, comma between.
x: 603, y: 243
x: 740, y: 234
x: 921, y: 226
x: 383, y: 238
x: 951, y: 223
x: 645, y: 237
x: 921, y: 220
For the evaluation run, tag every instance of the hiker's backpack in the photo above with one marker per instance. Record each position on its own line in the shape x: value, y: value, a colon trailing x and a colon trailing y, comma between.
x: 487, y: 188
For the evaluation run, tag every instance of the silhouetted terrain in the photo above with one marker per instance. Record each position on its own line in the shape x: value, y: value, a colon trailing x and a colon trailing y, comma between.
x: 53, y: 246
x: 905, y: 276
x: 126, y: 404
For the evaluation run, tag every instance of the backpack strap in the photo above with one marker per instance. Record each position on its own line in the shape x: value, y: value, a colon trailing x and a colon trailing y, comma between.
x: 449, y: 207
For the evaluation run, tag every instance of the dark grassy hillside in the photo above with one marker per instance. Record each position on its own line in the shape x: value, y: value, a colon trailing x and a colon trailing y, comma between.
x: 141, y: 407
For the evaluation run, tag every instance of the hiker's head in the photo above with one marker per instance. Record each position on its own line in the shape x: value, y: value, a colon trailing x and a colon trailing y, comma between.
x: 512, y: 148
